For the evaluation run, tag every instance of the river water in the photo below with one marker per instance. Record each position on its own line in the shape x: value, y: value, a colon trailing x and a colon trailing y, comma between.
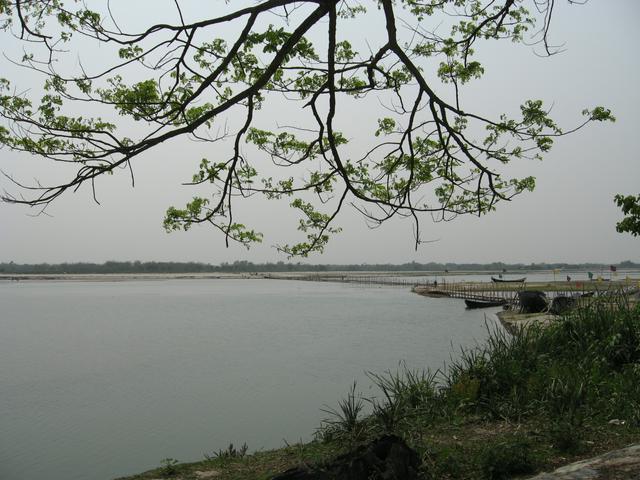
x: 104, y: 379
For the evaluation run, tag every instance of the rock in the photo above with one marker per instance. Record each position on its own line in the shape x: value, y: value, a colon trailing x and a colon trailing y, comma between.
x: 616, y: 421
x: 623, y: 464
x: 387, y: 458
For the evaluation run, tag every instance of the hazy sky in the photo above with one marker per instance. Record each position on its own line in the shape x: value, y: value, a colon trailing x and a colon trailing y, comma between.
x: 569, y: 217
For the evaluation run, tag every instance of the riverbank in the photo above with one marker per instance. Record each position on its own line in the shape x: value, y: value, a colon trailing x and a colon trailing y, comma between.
x: 517, y: 405
x: 423, y: 279
x: 123, y: 277
x: 456, y: 441
x: 513, y: 321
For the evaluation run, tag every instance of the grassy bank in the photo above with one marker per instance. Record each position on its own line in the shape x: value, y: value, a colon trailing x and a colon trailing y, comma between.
x: 518, y: 404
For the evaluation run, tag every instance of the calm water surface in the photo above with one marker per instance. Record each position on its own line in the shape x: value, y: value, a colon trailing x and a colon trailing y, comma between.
x: 104, y: 379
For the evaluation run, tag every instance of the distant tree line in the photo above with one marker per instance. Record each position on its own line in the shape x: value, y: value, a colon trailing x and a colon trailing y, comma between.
x: 243, y: 266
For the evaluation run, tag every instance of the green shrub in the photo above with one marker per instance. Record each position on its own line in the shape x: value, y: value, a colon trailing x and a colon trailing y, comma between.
x: 565, y: 437
x: 168, y: 467
x: 344, y: 423
x: 405, y: 395
x: 229, y: 453
x: 505, y: 459
x: 444, y: 462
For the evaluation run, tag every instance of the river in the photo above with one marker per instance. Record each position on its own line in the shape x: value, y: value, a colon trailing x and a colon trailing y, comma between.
x: 103, y: 379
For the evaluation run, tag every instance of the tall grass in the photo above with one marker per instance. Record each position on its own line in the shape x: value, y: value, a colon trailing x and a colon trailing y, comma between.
x: 344, y: 424
x: 584, y: 367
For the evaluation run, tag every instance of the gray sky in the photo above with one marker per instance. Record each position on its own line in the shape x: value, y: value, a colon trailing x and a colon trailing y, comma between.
x: 569, y: 217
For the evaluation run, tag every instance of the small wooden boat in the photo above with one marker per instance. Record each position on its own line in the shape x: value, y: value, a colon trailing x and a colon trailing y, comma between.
x: 533, y: 301
x: 505, y: 280
x: 436, y: 293
x: 484, y: 303
x: 562, y: 304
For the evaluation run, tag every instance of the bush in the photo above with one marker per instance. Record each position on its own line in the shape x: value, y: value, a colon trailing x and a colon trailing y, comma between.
x: 565, y: 437
x: 505, y: 459
x: 169, y: 467
x: 344, y: 423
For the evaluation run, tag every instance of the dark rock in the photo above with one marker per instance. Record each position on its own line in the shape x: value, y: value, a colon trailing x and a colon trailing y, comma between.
x: 387, y: 458
x: 532, y: 301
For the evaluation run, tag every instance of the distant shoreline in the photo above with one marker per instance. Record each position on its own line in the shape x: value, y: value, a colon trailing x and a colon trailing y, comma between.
x: 121, y: 277
x: 295, y: 275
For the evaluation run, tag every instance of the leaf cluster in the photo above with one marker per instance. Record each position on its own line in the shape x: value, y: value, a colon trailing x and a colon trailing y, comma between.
x: 426, y: 154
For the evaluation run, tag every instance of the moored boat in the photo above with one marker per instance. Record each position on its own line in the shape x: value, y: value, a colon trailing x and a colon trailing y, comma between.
x: 505, y: 280
x: 484, y: 303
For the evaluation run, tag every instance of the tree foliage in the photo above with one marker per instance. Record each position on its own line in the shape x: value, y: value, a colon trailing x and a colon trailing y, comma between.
x: 630, y: 206
x: 427, y: 154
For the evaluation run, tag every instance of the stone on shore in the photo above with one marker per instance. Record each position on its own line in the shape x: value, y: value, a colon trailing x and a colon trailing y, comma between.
x: 623, y: 464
